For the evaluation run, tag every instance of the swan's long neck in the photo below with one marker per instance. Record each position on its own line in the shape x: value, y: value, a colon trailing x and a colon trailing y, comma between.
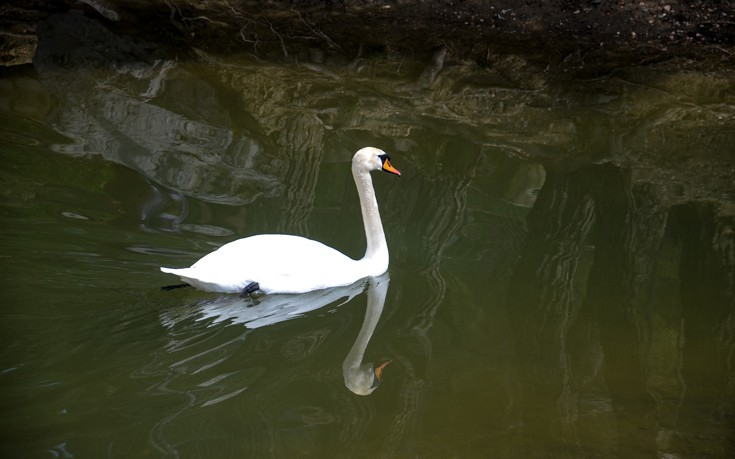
x: 377, y: 249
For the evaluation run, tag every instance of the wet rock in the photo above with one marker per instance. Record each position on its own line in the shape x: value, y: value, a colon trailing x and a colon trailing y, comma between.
x: 18, y: 30
x: 544, y: 32
x: 542, y: 104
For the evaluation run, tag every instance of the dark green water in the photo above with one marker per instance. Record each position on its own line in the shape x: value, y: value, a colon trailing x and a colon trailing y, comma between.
x: 567, y: 309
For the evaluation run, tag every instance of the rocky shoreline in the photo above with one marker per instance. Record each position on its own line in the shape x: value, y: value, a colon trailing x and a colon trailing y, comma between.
x: 584, y: 37
x: 545, y: 81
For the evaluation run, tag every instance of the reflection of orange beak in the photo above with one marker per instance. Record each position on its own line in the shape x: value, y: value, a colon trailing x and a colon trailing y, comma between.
x: 388, y: 167
x: 379, y: 369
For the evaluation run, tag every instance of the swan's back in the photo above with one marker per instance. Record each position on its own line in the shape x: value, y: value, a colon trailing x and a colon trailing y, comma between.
x: 277, y: 262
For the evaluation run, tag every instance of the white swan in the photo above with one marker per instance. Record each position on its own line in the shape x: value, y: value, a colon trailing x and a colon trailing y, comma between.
x: 280, y: 263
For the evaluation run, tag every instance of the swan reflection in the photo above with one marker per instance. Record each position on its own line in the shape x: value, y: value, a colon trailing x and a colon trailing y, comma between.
x: 363, y: 378
x: 256, y: 312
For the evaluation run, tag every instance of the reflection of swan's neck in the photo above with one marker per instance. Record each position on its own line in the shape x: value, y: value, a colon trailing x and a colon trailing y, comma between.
x: 372, y: 316
x: 360, y: 379
x: 377, y: 249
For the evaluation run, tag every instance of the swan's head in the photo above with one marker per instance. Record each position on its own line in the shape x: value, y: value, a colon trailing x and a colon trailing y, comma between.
x: 373, y: 159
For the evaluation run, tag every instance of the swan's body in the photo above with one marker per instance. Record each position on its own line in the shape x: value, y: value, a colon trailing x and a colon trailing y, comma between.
x: 280, y: 263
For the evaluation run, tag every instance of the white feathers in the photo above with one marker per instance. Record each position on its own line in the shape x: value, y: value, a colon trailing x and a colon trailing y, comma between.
x: 282, y: 263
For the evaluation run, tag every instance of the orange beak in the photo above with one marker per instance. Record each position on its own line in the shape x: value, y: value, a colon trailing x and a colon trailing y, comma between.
x: 388, y: 167
x: 379, y: 369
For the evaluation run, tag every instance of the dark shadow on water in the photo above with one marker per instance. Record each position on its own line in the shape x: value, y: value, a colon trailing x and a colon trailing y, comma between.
x: 599, y: 346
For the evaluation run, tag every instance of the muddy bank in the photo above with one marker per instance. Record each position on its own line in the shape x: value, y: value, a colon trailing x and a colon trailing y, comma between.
x: 583, y: 36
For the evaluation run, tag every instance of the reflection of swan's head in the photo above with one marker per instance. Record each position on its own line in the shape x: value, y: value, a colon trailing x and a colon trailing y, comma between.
x: 372, y: 159
x: 363, y: 380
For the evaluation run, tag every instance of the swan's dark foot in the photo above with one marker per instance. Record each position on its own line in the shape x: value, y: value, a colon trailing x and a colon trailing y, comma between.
x: 250, y: 288
x: 166, y: 288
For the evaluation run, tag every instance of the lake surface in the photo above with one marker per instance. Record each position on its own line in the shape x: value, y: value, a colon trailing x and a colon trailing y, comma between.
x: 541, y: 301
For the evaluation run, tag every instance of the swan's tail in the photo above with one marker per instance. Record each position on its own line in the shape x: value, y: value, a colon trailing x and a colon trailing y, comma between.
x: 183, y: 274
x: 194, y: 278
x: 172, y: 287
x: 167, y: 288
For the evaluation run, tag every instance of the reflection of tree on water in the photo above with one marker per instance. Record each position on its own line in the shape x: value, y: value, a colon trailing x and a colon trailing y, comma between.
x: 301, y: 142
x: 707, y: 273
x: 585, y: 303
